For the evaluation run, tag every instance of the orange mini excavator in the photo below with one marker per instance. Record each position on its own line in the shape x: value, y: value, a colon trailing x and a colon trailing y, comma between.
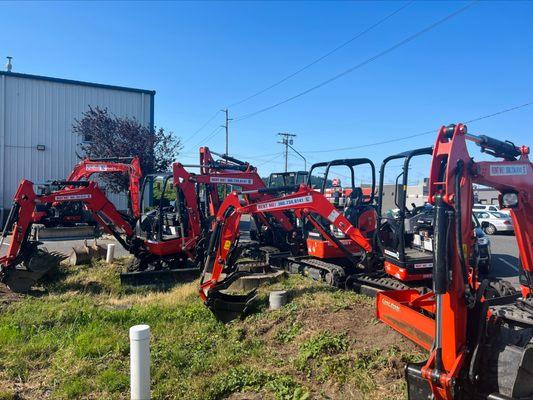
x: 222, y: 268
x: 168, y: 237
x: 479, y: 333
x: 70, y: 214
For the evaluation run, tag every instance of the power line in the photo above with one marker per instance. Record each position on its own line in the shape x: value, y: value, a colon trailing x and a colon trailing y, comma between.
x: 500, y: 112
x: 209, y: 136
x: 421, y: 133
x: 201, y: 128
x: 362, y: 33
x: 255, y: 156
x: 272, y: 159
x: 361, y: 64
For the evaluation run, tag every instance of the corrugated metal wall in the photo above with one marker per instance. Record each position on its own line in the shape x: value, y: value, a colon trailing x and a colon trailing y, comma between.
x: 41, y: 112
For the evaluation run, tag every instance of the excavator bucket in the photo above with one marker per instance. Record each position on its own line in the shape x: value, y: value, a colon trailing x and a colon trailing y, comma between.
x: 227, y: 307
x: 21, y: 277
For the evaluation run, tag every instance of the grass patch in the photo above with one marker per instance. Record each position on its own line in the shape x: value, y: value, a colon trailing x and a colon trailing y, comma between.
x: 70, y: 341
x: 323, y: 343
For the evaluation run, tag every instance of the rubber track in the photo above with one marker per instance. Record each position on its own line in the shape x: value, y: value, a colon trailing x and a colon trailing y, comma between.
x: 381, y: 282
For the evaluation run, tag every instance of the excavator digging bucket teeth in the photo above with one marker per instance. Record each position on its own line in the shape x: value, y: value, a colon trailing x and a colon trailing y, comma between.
x: 20, y: 278
x: 227, y: 307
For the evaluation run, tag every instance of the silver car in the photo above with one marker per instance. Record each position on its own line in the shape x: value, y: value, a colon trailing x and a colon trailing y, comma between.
x: 494, y: 221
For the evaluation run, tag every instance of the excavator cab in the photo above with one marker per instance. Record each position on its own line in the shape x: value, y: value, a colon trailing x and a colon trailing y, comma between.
x: 164, y: 215
x: 404, y: 232
x: 354, y: 202
x: 291, y: 178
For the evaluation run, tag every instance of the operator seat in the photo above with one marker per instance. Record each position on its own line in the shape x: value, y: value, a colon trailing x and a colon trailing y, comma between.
x: 361, y: 215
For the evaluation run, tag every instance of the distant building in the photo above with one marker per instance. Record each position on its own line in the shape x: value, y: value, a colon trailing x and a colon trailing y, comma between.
x: 36, y: 118
x: 485, y: 195
x: 417, y: 194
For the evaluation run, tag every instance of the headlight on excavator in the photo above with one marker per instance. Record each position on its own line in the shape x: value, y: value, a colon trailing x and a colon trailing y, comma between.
x: 510, y: 200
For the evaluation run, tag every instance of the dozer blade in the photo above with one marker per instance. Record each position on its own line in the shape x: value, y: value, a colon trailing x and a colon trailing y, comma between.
x: 155, y: 277
x: 227, y: 307
x: 22, y: 277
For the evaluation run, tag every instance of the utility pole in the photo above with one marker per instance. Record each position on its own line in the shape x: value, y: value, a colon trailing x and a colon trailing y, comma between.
x: 226, y: 126
x: 286, y: 140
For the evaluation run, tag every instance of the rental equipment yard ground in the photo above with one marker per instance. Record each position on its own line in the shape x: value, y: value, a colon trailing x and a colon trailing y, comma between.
x: 69, y: 339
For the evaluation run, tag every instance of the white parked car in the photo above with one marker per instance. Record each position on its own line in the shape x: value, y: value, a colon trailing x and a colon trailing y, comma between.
x: 489, y: 207
x: 494, y: 221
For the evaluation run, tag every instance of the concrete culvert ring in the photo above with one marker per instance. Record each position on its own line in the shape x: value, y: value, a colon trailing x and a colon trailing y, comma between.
x: 278, y: 299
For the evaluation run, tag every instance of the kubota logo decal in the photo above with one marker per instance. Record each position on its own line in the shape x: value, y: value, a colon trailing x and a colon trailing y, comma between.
x: 231, y: 181
x: 73, y: 197
x: 507, y: 170
x: 392, y: 254
x: 97, y: 167
x: 391, y: 305
x: 284, y: 203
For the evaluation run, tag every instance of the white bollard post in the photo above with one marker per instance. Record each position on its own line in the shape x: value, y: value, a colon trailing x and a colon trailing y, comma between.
x: 140, y: 362
x: 110, y: 256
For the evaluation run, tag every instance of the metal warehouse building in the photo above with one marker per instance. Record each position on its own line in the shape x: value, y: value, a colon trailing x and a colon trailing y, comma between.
x: 36, y: 118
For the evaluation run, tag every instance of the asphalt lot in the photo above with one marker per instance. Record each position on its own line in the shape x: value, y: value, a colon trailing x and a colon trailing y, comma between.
x: 65, y: 246
x: 504, y: 257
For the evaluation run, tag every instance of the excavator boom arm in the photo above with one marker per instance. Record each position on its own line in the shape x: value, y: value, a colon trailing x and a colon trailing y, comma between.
x: 88, y: 167
x: 218, y: 270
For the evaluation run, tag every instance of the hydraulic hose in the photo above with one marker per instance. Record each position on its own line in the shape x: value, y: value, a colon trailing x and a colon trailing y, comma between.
x: 458, y: 215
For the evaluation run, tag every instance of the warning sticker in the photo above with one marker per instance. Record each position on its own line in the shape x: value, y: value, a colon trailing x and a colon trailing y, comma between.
x: 73, y: 197
x: 333, y: 215
x: 284, y: 203
x: 507, y: 170
x: 231, y: 181
x: 227, y: 244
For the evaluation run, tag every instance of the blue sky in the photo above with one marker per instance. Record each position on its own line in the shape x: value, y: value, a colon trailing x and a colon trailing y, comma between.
x: 200, y: 57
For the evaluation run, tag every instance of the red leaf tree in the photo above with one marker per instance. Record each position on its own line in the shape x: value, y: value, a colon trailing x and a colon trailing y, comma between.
x: 106, y: 135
